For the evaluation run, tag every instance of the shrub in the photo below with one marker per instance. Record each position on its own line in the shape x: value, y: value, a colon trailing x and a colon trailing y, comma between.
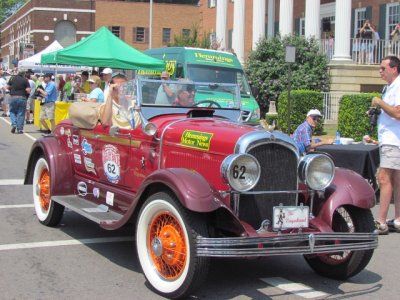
x: 268, y: 72
x: 301, y: 102
x: 352, y: 120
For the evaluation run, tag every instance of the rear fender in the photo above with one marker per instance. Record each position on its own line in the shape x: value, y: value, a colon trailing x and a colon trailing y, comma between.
x: 347, y: 188
x: 59, y: 164
x: 192, y: 190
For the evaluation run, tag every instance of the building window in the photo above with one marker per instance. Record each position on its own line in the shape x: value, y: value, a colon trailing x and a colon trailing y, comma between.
x: 302, y: 27
x: 116, y: 30
x: 166, y: 35
x: 65, y: 33
x: 139, y: 34
x: 186, y: 33
x: 359, y: 19
x: 393, y: 17
x: 211, y: 3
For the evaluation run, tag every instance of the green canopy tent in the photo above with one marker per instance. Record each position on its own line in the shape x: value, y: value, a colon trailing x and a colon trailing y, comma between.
x: 103, y: 49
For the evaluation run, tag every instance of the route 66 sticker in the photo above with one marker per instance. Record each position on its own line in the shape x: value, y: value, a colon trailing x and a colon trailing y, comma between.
x: 111, y: 163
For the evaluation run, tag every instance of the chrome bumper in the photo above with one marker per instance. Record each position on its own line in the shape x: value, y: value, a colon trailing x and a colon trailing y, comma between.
x: 286, y: 244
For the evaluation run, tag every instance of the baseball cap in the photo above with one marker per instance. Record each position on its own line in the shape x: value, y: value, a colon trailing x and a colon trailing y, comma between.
x: 314, y: 113
x: 107, y: 71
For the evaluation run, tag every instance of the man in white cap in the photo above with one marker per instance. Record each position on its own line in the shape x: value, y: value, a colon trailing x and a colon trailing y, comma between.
x: 106, y: 76
x: 303, y: 133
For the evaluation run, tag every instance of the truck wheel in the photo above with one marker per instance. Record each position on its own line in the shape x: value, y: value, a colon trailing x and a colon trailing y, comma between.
x: 345, y: 264
x: 166, y: 246
x: 48, y: 212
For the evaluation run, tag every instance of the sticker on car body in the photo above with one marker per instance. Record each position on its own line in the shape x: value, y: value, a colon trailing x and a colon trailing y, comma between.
x: 111, y: 163
x: 196, y: 139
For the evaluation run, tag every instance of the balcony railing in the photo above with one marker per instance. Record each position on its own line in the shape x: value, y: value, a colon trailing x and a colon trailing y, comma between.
x: 364, y: 51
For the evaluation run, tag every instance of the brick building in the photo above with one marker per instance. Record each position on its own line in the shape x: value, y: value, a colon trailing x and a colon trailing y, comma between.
x: 39, y: 22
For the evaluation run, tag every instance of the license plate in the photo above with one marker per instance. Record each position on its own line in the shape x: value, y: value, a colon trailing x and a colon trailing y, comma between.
x: 286, y: 217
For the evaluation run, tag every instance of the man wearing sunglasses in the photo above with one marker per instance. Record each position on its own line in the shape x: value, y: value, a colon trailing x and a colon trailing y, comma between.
x: 303, y: 133
x: 389, y: 145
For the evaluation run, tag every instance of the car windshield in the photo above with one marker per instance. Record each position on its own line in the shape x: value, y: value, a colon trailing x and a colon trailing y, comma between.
x: 200, y: 73
x: 185, y: 93
x: 157, y: 97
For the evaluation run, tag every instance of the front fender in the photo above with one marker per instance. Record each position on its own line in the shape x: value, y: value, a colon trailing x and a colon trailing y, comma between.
x: 347, y: 188
x: 61, y: 173
x: 190, y: 187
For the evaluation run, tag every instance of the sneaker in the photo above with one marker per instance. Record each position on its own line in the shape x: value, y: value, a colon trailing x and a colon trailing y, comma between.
x: 20, y: 132
x: 394, y: 226
x: 29, y: 121
x: 381, y: 229
x: 13, y: 129
x: 4, y: 115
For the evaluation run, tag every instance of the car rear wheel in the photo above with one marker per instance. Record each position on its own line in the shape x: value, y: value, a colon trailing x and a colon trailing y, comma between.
x: 165, y: 240
x: 48, y: 212
x: 345, y: 264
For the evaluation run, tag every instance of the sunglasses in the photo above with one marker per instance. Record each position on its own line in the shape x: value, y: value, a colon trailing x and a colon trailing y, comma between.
x: 316, y: 119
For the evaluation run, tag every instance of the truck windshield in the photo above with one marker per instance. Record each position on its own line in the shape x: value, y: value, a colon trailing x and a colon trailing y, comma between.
x: 201, y: 73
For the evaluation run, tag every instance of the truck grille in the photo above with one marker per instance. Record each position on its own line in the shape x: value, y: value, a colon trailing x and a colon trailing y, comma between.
x: 278, y: 173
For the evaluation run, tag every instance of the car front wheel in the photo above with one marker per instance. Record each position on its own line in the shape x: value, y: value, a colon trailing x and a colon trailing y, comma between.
x: 48, y: 212
x: 165, y: 240
x: 345, y: 264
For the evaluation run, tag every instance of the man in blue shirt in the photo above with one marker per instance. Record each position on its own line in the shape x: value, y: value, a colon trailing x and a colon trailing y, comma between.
x: 303, y: 133
x: 48, y: 103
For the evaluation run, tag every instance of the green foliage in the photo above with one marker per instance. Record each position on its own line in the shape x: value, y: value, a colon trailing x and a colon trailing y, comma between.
x: 8, y: 7
x: 267, y: 70
x: 353, y: 121
x: 270, y: 119
x: 192, y: 40
x: 301, y: 101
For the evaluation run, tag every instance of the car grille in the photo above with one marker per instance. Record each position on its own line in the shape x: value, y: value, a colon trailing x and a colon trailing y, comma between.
x: 278, y: 173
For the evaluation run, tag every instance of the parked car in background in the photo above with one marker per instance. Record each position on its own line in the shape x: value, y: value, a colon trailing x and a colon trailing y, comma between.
x: 198, y: 183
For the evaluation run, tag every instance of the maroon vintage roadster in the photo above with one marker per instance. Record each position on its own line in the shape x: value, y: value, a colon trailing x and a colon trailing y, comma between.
x: 198, y: 183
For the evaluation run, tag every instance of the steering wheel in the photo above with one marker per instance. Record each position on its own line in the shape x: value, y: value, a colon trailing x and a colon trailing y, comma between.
x: 210, y: 103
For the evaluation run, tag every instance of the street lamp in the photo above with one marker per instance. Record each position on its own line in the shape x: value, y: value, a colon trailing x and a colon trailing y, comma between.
x: 290, y: 58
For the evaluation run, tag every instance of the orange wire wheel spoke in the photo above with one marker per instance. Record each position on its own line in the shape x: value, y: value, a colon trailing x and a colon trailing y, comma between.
x: 167, y: 245
x: 44, y: 185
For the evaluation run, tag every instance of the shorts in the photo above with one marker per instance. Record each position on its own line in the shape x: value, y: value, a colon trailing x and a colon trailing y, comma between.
x: 47, y: 111
x: 30, y: 104
x: 389, y: 157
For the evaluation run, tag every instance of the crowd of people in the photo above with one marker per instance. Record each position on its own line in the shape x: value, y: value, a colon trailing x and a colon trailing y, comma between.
x: 19, y: 92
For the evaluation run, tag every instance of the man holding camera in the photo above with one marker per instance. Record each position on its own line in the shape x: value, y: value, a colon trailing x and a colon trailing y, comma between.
x: 389, y: 139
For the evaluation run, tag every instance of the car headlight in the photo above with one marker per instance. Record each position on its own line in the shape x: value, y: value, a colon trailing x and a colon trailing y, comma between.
x: 241, y: 171
x: 317, y: 171
x: 256, y: 114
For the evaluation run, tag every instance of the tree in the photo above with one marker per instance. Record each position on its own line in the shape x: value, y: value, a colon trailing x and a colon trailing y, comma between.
x: 268, y: 72
x: 193, y: 39
x: 8, y: 7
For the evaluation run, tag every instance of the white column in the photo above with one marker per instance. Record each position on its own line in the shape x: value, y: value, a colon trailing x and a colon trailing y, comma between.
x: 222, y: 7
x: 312, y: 19
x: 271, y: 18
x: 258, y: 21
x: 286, y: 17
x: 342, y: 30
x: 238, y: 29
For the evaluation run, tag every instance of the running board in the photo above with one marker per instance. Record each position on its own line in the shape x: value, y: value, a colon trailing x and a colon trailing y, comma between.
x: 100, y: 214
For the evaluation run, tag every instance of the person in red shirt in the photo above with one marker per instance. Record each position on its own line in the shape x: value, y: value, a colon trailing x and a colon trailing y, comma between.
x: 60, y: 87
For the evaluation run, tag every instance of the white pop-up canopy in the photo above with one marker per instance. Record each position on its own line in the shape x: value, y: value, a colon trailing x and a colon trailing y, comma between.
x: 34, y: 62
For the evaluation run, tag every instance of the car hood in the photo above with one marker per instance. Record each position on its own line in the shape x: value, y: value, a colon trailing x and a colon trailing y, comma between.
x: 205, y: 134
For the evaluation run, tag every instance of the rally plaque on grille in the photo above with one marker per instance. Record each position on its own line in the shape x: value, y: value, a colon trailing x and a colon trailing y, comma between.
x: 286, y: 217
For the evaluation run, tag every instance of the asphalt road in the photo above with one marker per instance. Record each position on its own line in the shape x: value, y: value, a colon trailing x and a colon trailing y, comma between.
x: 79, y: 260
